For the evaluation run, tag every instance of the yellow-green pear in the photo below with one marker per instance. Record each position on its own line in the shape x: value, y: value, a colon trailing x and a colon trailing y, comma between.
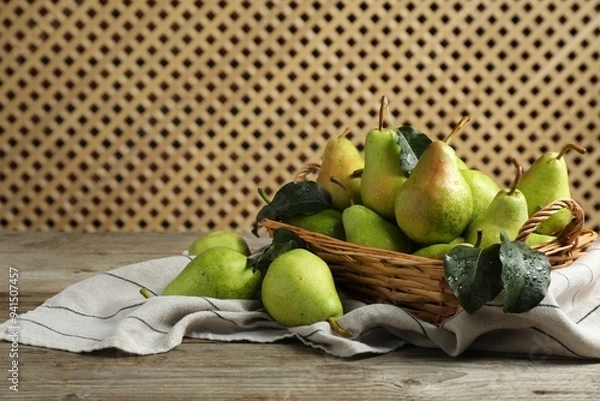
x: 341, y: 159
x: 483, y: 189
x: 434, y: 205
x: 438, y: 251
x: 327, y: 222
x: 226, y: 238
x: 382, y: 174
x: 218, y: 272
x: 507, y: 212
x: 535, y: 239
x: 298, y: 289
x: 365, y: 227
x: 462, y: 165
x: 546, y: 181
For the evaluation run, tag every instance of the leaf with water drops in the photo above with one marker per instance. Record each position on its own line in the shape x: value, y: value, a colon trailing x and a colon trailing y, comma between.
x: 525, y: 275
x: 412, y: 144
x: 295, y: 197
x: 473, y: 275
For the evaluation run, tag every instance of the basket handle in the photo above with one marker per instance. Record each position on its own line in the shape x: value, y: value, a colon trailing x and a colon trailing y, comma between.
x: 308, y: 168
x: 569, y: 233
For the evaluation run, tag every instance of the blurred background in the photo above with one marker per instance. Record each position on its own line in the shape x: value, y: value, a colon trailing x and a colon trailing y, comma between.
x: 169, y: 115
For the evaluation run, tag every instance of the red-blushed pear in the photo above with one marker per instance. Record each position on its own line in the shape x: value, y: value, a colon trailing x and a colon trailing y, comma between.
x: 546, y: 181
x: 434, y: 205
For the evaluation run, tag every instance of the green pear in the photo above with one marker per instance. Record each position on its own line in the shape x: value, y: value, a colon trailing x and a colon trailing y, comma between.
x: 438, y: 251
x: 483, y: 190
x: 327, y: 222
x: 546, y: 181
x: 298, y: 289
x: 341, y: 159
x: 507, y: 212
x: 535, y: 239
x: 365, y: 227
x: 218, y: 272
x: 226, y: 238
x: 382, y: 174
x: 434, y: 205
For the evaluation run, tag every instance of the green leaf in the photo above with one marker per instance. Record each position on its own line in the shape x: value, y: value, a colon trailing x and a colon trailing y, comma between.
x: 412, y: 143
x: 295, y: 197
x: 525, y: 275
x: 474, y: 275
x: 283, y: 241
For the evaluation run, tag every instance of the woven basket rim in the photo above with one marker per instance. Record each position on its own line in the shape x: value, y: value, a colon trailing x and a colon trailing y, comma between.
x: 417, y: 284
x: 574, y: 236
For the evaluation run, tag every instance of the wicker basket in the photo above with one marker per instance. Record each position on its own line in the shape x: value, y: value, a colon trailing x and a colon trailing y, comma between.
x: 418, y: 284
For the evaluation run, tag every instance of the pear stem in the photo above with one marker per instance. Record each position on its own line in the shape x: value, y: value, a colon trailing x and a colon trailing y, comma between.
x: 344, y: 133
x: 571, y: 146
x: 479, y: 238
x: 383, y: 104
x: 513, y: 186
x: 263, y: 195
x: 337, y: 181
x: 357, y: 173
x: 456, y: 128
x: 338, y: 329
x: 145, y: 293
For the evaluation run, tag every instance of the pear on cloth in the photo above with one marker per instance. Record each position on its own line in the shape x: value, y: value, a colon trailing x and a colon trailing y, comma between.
x: 218, y: 272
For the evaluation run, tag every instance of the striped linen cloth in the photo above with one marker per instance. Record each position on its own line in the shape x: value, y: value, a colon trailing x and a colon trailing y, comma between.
x: 107, y: 311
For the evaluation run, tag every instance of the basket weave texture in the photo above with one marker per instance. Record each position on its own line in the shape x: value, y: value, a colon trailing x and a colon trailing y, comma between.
x: 417, y: 284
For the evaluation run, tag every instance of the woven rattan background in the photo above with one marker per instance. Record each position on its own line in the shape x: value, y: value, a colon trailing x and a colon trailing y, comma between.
x: 168, y: 115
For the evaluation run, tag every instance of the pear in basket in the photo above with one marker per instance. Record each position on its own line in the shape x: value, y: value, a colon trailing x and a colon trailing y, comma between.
x: 365, y: 227
x: 382, y: 174
x: 535, y: 239
x: 327, y: 222
x: 435, y: 204
x: 483, y: 189
x: 507, y: 212
x: 462, y: 165
x: 546, y: 181
x: 298, y: 289
x: 438, y: 251
x: 341, y: 159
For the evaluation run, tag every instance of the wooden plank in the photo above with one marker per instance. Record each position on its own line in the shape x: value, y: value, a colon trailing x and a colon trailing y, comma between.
x: 289, y: 370
x: 49, y: 262
x: 12, y: 242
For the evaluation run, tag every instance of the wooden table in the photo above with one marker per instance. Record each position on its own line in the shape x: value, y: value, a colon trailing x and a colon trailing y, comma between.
x: 48, y: 262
